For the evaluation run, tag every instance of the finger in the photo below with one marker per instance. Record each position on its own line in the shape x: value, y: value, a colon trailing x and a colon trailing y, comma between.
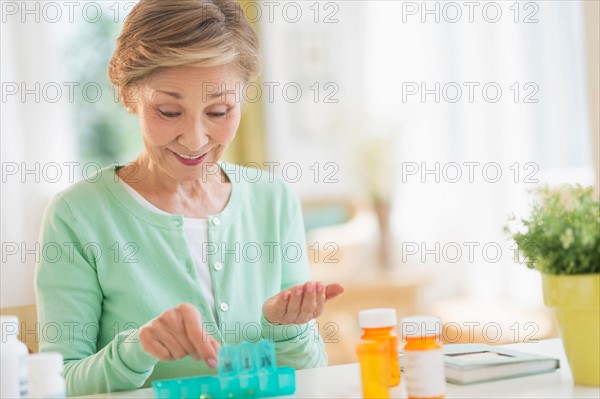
x: 333, y: 290
x: 212, y: 362
x: 293, y: 307
x: 174, y: 321
x: 274, y: 308
x: 215, y: 344
x: 168, y: 328
x: 195, y: 334
x: 152, y: 346
x: 169, y: 342
x: 320, y: 300
x: 282, y: 304
x: 309, y: 303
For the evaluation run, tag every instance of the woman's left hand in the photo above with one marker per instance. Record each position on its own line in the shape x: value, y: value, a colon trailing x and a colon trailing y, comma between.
x: 300, y: 304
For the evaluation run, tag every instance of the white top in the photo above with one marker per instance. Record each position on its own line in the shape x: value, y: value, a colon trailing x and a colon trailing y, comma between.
x: 377, y: 318
x: 196, y: 233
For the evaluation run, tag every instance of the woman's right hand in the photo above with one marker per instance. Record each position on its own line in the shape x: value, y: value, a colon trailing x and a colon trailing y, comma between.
x: 178, y: 333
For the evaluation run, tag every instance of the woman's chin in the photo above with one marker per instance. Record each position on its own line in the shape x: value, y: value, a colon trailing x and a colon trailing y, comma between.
x: 202, y: 171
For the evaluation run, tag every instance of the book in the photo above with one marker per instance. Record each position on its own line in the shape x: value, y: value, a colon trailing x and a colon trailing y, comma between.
x: 474, y: 363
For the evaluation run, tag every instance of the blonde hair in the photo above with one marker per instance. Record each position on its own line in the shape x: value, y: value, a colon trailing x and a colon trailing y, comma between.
x: 166, y: 33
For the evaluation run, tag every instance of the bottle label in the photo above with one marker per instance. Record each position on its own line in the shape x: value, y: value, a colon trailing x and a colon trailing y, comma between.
x: 23, y: 377
x: 424, y: 373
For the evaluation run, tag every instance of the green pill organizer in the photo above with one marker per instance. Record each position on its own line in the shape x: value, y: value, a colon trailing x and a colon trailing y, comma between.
x: 247, y: 370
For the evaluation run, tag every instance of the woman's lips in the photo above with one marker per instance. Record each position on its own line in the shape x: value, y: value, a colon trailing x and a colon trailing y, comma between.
x: 188, y: 161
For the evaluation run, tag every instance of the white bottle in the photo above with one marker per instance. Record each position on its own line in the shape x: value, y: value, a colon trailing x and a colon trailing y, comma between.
x: 13, y: 355
x: 423, y: 357
x: 45, y: 376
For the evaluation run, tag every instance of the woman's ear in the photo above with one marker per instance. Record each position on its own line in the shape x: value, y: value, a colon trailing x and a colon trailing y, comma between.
x: 130, y: 98
x: 127, y: 102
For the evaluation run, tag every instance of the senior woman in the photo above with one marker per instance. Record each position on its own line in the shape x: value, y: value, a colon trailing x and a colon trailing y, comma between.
x: 175, y: 254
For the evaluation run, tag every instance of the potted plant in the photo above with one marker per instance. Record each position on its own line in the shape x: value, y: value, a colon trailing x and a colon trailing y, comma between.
x: 561, y: 239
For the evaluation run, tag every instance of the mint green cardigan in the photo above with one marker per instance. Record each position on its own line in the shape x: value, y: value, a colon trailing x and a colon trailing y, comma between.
x: 109, y: 265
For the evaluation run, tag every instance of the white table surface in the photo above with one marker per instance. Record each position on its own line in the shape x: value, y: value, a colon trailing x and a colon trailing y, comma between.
x: 344, y: 382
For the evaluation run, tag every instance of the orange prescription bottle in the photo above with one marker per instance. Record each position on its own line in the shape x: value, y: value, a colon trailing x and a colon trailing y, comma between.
x: 380, y: 325
x: 374, y: 369
x: 423, y: 357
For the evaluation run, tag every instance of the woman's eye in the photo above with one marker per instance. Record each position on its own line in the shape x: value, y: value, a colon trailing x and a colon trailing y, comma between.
x: 169, y: 114
x: 217, y: 114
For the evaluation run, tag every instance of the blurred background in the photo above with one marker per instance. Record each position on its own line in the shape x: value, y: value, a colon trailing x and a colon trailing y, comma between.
x: 410, y: 130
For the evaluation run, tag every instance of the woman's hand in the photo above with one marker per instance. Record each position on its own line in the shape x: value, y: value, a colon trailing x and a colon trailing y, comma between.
x: 300, y: 304
x: 178, y: 333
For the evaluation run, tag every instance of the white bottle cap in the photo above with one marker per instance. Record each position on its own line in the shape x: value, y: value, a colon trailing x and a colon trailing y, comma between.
x: 45, y: 363
x: 420, y: 326
x: 10, y: 327
x: 377, y: 318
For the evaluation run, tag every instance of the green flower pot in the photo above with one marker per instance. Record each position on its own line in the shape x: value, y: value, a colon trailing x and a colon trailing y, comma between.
x: 576, y: 301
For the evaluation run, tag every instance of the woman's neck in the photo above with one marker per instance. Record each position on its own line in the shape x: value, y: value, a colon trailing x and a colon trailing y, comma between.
x: 196, y: 198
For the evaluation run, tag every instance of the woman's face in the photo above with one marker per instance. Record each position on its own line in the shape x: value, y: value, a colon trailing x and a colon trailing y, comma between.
x: 188, y: 116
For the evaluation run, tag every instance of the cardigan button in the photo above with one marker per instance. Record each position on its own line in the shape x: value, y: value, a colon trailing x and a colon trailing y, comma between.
x: 216, y: 221
x: 224, y: 307
x: 218, y: 266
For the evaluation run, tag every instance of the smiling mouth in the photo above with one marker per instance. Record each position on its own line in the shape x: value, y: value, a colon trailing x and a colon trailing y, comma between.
x: 190, y: 160
x: 189, y: 156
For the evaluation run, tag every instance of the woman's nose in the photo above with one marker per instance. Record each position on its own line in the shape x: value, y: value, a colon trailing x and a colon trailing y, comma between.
x: 194, y: 137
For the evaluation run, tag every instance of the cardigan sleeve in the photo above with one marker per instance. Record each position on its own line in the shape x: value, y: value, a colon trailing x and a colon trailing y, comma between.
x: 296, y: 345
x: 69, y: 306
